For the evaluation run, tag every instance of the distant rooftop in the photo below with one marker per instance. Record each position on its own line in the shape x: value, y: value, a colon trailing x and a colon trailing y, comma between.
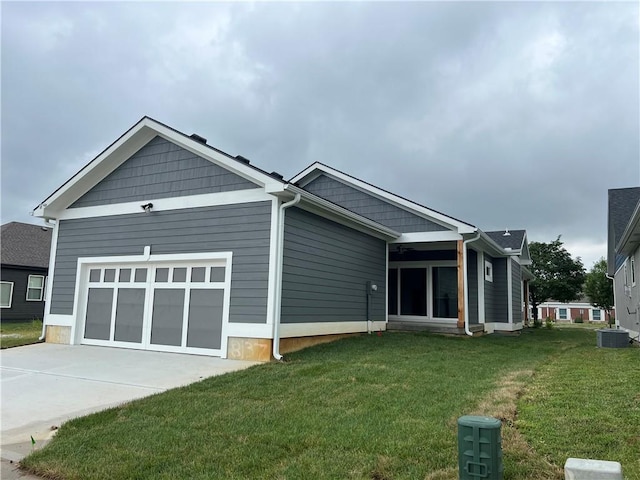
x: 26, y: 245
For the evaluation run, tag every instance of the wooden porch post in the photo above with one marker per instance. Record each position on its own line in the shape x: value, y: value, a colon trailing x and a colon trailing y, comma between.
x: 461, y: 279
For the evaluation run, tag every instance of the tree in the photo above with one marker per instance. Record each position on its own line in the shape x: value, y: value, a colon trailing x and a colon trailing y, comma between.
x: 558, y: 276
x: 599, y: 288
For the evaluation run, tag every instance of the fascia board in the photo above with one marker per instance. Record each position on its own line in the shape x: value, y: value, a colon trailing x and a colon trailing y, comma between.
x: 328, y: 209
x: 310, y: 173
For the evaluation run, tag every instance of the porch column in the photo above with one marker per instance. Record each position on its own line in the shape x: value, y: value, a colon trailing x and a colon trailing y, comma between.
x: 461, y: 279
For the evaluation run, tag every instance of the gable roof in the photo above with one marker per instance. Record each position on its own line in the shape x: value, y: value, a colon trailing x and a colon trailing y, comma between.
x: 513, y: 241
x: 26, y: 245
x: 316, y: 169
x: 624, y: 205
x: 128, y: 144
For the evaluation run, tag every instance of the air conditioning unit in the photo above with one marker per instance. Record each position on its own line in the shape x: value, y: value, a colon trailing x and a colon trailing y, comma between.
x: 610, y: 338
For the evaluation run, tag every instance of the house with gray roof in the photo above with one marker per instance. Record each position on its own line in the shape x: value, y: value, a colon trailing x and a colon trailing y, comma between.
x: 24, y: 262
x: 163, y: 242
x: 623, y: 256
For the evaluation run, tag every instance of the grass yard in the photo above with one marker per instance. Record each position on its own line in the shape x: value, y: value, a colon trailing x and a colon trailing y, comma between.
x: 14, y: 334
x: 372, y: 407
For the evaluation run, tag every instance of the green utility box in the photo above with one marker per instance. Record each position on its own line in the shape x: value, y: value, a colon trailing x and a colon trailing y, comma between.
x: 479, y: 448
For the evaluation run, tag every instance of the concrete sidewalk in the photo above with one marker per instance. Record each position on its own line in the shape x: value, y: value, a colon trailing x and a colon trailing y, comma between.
x: 44, y: 385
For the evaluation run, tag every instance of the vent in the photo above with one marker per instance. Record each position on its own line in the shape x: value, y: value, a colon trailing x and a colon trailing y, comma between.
x: 277, y: 175
x: 609, y: 338
x: 198, y: 138
x: 242, y: 159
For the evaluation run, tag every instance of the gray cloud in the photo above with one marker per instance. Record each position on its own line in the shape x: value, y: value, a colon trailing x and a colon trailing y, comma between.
x: 501, y: 114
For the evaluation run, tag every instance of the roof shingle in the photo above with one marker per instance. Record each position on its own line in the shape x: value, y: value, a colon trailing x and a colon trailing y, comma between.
x: 25, y: 245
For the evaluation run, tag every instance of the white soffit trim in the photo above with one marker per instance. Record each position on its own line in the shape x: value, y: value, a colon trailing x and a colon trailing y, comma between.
x: 427, y: 237
x: 173, y: 203
x: 311, y: 172
x: 128, y: 144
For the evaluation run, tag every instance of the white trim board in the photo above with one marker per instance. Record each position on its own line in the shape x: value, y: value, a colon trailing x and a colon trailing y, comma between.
x: 171, y: 203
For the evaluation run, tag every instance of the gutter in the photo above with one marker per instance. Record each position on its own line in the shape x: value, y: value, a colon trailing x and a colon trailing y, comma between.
x: 278, y: 299
x: 466, y: 283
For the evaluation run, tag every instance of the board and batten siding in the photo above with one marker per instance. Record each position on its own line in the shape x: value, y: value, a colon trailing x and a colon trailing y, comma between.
x: 516, y: 289
x: 496, y: 292
x: 162, y: 169
x: 21, y: 308
x: 243, y: 229
x: 472, y: 286
x: 326, y: 267
x: 370, y: 207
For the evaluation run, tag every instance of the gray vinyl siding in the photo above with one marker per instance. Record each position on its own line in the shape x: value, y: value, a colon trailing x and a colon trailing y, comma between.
x: 369, y: 206
x: 325, y: 270
x: 161, y: 169
x: 627, y: 311
x: 496, y: 292
x: 21, y: 309
x: 243, y: 229
x: 516, y: 289
x: 472, y: 282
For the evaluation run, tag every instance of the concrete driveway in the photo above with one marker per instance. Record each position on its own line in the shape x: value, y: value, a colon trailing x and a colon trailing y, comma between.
x: 45, y: 384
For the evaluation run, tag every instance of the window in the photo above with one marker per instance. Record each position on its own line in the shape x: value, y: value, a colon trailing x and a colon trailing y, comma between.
x: 488, y: 271
x: 597, y: 314
x: 6, y: 294
x: 413, y: 291
x: 562, y: 314
x: 633, y: 271
x: 35, y: 288
x: 445, y: 292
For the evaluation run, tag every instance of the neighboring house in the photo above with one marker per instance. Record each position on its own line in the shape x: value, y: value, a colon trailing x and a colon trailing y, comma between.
x: 623, y: 256
x: 25, y: 259
x: 165, y: 243
x: 572, y: 311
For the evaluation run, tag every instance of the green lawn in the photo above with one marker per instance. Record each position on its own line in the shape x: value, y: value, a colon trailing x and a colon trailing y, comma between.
x: 372, y: 407
x: 14, y: 334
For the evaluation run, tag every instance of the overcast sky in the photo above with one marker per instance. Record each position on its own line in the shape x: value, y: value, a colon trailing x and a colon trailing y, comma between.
x: 517, y: 115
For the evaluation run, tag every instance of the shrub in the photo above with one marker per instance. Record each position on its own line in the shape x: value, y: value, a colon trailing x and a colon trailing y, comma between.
x: 537, y: 323
x: 548, y: 323
x: 578, y: 320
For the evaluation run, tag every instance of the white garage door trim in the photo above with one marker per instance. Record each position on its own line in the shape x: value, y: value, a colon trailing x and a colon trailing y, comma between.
x: 152, y: 263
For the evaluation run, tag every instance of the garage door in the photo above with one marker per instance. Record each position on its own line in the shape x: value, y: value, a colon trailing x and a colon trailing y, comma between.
x: 175, y: 307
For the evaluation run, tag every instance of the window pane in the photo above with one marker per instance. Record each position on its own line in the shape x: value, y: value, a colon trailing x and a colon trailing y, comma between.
x: 5, y: 294
x: 217, y: 274
x: 197, y: 274
x: 125, y: 274
x: 162, y: 275
x: 34, y: 294
x: 413, y: 291
x: 35, y: 281
x: 445, y: 292
x: 596, y: 315
x: 141, y: 275
x: 393, y: 291
x: 180, y: 274
x: 94, y: 275
x: 110, y: 275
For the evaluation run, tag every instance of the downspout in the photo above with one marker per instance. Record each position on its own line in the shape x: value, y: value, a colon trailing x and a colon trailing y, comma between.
x: 278, y: 299
x: 466, y: 282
